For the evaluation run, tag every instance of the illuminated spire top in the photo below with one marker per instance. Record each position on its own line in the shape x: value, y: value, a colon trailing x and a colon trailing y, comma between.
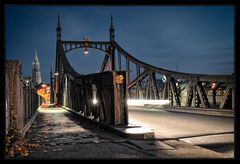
x: 36, y: 56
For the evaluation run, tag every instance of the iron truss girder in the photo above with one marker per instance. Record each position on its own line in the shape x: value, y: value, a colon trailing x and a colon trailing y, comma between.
x: 99, y: 45
x: 174, y: 74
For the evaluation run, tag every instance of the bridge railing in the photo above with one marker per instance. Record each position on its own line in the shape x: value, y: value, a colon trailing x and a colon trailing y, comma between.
x: 31, y: 102
x: 100, y: 97
x: 21, y: 99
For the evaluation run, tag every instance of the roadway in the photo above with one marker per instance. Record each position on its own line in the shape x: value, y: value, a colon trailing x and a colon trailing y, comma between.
x: 168, y: 125
x: 212, y: 132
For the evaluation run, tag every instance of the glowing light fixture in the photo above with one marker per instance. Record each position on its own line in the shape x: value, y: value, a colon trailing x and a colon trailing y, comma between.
x: 94, y: 101
x: 119, y: 79
x: 85, y: 50
x: 213, y: 85
x: 85, y: 42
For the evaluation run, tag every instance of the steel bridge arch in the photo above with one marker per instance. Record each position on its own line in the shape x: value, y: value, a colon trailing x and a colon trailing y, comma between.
x: 91, y: 44
x: 196, y: 95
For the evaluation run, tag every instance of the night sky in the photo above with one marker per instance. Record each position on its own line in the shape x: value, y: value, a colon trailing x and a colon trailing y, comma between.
x: 194, y: 39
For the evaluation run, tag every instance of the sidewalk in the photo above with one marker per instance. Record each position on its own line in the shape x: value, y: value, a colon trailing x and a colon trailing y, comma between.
x: 63, y: 135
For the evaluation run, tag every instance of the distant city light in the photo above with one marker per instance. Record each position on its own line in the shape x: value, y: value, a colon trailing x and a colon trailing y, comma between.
x: 164, y: 78
x: 43, y: 85
x: 213, y: 85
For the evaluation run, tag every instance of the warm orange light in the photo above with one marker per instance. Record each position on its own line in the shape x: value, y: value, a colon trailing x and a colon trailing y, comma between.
x: 119, y: 79
x: 44, y: 92
x: 213, y: 85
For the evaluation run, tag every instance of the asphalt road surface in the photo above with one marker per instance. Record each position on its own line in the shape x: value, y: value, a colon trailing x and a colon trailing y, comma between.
x: 168, y: 125
x: 215, y: 133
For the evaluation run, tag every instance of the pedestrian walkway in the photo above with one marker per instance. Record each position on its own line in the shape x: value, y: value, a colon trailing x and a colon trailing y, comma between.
x: 61, y: 134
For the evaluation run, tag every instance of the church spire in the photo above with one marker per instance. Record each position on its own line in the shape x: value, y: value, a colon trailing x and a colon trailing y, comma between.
x: 58, y: 29
x: 36, y: 74
x: 111, y: 30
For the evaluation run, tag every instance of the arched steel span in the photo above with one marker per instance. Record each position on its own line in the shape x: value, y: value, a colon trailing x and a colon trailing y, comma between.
x: 71, y: 45
x: 178, y: 75
x: 199, y: 84
x: 149, y: 70
x: 103, y: 46
x: 67, y: 46
x: 195, y: 80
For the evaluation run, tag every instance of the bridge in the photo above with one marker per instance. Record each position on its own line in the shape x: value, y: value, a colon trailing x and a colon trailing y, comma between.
x: 113, y: 85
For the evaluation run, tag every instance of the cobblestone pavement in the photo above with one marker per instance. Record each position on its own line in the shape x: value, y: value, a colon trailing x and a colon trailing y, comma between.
x: 63, y: 135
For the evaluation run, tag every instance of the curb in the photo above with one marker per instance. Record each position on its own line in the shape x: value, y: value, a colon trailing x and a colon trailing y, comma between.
x: 128, y: 131
x: 203, y: 111
x: 29, y: 123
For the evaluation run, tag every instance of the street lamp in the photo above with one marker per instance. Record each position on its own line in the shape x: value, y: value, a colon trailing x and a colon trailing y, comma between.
x: 85, y: 43
x: 27, y: 83
x: 94, y: 89
x: 56, y: 87
x: 214, y: 92
x: 213, y: 85
x: 51, y: 87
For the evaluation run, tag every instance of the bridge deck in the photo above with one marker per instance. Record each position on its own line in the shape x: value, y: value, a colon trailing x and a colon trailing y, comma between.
x: 63, y: 135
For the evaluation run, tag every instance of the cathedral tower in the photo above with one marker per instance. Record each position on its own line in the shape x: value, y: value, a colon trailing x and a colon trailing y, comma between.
x: 36, y: 74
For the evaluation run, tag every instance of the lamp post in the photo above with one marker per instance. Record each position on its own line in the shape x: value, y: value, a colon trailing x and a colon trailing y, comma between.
x: 56, y: 87
x: 85, y: 42
x: 214, y: 92
x: 51, y: 87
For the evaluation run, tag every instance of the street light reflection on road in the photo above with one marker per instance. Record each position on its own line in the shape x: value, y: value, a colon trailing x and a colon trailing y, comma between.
x: 141, y: 102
